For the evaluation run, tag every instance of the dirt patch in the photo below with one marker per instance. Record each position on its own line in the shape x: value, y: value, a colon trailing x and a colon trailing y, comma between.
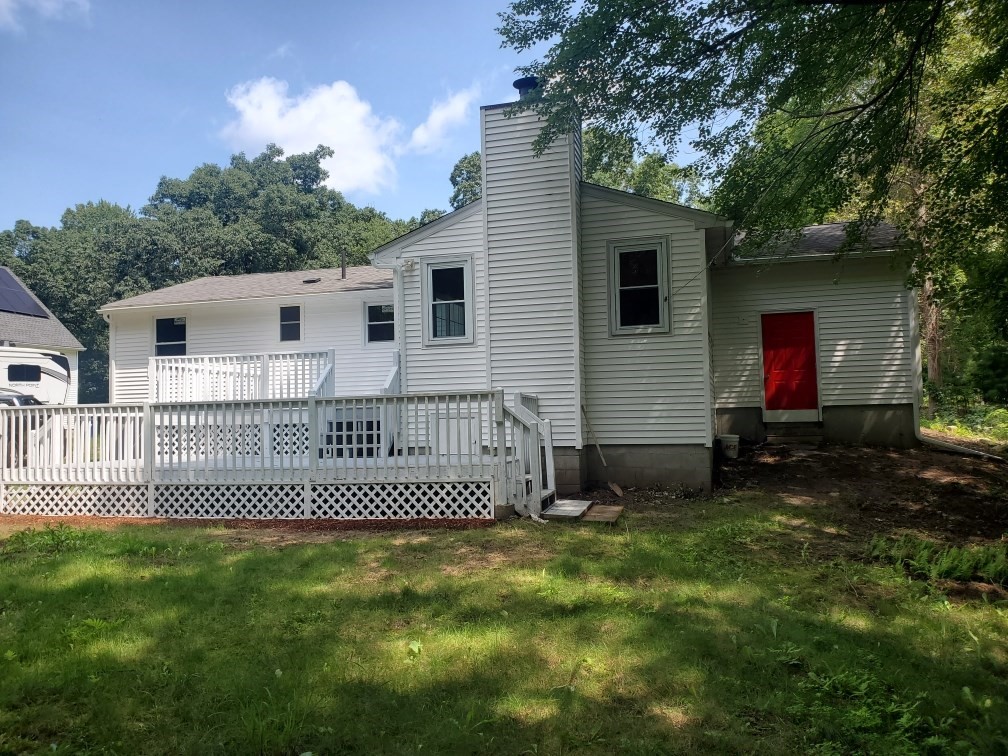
x: 862, y: 491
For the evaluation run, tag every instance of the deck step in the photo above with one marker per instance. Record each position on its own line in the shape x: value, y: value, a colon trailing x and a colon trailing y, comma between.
x: 794, y: 433
x: 566, y: 509
x: 548, y: 495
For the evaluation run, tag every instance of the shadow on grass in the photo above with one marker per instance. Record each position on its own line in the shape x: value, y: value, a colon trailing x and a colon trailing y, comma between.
x: 599, y: 641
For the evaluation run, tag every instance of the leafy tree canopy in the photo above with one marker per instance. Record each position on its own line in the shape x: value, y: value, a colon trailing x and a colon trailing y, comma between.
x: 466, y: 180
x: 268, y: 213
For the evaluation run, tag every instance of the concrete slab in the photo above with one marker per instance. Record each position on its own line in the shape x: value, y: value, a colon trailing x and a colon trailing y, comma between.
x: 566, y: 509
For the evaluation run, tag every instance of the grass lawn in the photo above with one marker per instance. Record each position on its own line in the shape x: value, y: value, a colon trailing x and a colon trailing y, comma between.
x: 751, y: 621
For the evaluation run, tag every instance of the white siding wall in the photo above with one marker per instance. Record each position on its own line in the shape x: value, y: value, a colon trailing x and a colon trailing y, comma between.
x: 329, y: 321
x: 865, y: 347
x: 446, y: 367
x: 531, y: 267
x: 644, y: 389
x: 131, y: 343
x: 73, y: 391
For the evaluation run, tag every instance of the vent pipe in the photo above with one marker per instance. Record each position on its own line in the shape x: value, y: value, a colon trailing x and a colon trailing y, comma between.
x: 525, y: 85
x: 342, y: 257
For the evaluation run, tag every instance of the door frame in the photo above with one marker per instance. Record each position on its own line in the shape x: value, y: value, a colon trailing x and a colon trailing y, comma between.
x: 790, y: 416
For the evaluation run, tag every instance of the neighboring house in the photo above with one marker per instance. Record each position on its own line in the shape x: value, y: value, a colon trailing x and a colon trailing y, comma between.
x: 627, y: 318
x: 347, y: 322
x: 27, y: 323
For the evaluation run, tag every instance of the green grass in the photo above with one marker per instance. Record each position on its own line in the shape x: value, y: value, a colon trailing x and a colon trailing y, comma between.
x: 706, y: 626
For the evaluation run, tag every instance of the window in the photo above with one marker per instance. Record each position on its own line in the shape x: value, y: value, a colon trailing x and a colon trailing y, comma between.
x: 380, y: 322
x: 448, y: 295
x: 639, y: 287
x: 169, y: 337
x: 24, y: 373
x: 290, y: 323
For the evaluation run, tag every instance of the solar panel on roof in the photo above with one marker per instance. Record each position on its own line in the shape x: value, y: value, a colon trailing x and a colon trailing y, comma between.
x: 16, y: 299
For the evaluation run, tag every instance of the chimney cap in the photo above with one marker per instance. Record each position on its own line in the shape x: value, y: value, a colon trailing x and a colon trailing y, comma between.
x: 525, y: 85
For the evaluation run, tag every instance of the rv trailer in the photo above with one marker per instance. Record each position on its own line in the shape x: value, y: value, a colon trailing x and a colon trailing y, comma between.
x: 41, y: 373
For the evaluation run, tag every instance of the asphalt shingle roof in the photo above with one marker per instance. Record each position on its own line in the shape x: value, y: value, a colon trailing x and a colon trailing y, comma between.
x: 25, y: 330
x: 260, y: 286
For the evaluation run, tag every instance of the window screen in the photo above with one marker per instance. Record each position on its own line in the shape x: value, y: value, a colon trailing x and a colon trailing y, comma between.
x: 448, y: 305
x: 169, y: 337
x: 290, y: 323
x: 380, y: 322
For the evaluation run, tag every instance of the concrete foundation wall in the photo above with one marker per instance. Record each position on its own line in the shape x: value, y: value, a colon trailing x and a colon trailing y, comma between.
x: 744, y: 422
x: 887, y: 425
x: 571, y: 470
x: 874, y: 424
x: 648, y: 465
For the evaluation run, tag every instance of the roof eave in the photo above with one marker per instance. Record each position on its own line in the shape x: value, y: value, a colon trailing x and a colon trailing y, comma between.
x: 700, y: 218
x: 392, y: 248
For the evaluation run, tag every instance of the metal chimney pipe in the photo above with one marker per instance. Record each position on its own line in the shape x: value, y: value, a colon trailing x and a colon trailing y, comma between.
x: 525, y: 85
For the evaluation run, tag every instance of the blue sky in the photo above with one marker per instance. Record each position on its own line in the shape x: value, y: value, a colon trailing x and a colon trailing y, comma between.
x: 103, y: 97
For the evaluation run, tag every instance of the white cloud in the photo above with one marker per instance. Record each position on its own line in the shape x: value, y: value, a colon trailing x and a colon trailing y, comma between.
x: 333, y: 115
x: 55, y: 9
x: 283, y: 51
x: 444, y: 115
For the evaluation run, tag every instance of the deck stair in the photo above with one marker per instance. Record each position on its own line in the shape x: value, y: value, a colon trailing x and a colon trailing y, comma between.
x: 794, y: 433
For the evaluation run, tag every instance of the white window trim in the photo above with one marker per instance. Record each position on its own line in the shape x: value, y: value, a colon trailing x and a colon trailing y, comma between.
x: 364, y: 321
x: 663, y: 246
x: 154, y: 341
x: 454, y: 262
x: 301, y: 323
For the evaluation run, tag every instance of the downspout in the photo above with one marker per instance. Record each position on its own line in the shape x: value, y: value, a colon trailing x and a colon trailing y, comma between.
x: 400, y: 320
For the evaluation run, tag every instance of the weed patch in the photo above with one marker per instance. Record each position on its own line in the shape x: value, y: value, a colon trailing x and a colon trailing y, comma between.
x: 929, y: 560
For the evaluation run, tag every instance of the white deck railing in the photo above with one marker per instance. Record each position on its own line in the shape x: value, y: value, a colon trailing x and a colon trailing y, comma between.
x: 465, y: 436
x: 235, y: 377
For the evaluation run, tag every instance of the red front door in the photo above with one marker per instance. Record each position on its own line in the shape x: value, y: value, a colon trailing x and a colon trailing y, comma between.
x: 789, y: 361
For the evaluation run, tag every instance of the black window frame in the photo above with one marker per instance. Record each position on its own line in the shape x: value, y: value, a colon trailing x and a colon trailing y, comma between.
x: 288, y: 325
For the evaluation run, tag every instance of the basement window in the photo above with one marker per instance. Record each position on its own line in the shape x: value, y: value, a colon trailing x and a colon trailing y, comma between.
x: 380, y: 322
x: 290, y: 323
x: 638, y: 286
x: 170, y: 337
x: 448, y: 294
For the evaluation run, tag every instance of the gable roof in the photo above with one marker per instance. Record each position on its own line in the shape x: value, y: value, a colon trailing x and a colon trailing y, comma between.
x: 28, y: 330
x: 259, y: 286
x: 411, y: 237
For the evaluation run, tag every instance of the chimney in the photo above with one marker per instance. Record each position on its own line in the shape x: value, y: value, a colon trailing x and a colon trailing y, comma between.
x: 525, y: 85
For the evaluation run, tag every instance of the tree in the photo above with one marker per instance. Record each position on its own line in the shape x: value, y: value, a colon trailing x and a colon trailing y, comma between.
x: 611, y: 160
x: 466, y: 180
x: 804, y: 110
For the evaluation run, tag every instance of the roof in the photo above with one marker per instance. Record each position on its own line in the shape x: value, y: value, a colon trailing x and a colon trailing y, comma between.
x: 827, y: 240
x: 259, y: 286
x: 27, y: 330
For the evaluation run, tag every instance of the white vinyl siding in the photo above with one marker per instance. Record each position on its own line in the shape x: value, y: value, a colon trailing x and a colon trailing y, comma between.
x: 862, y: 310
x: 131, y: 337
x: 329, y: 321
x: 646, y: 389
x: 445, y: 366
x: 531, y: 253
x: 73, y: 388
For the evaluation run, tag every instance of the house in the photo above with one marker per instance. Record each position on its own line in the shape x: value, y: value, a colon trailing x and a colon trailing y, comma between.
x: 26, y: 323
x: 639, y: 333
x: 226, y: 325
x: 550, y: 334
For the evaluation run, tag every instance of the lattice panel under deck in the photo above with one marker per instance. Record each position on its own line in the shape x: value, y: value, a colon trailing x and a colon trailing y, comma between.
x: 381, y: 500
x: 65, y: 499
x: 257, y: 501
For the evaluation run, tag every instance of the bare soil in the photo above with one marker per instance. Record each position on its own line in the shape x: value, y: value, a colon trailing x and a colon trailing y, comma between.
x: 851, y: 493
